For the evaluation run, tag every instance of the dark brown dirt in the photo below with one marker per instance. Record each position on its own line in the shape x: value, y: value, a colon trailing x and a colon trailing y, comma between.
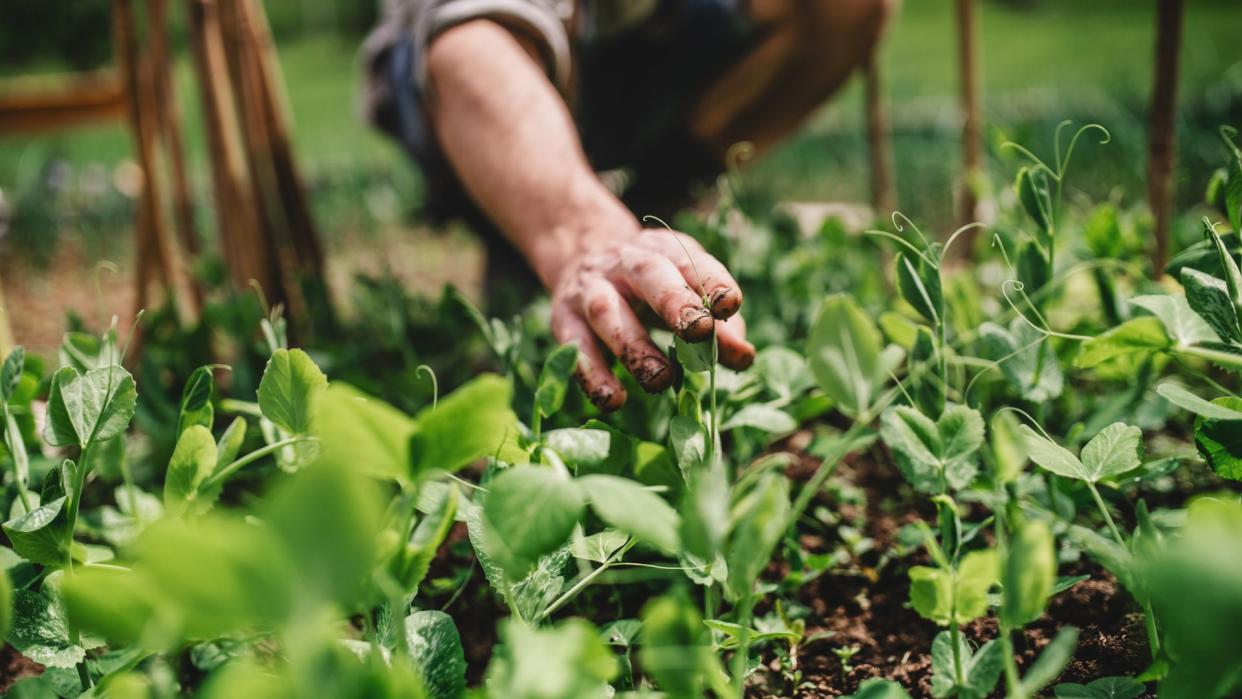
x: 14, y: 666
x: 867, y: 607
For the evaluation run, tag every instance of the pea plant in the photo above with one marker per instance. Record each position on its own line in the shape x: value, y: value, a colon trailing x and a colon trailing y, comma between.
x: 961, y: 453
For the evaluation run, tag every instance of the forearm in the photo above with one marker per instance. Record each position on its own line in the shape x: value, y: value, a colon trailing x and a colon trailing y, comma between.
x: 511, y: 140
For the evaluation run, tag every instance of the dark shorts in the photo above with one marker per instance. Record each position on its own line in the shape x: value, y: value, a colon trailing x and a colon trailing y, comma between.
x: 635, y: 89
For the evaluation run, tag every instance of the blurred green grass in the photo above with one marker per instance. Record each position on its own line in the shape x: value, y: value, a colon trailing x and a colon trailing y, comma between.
x: 1061, y: 59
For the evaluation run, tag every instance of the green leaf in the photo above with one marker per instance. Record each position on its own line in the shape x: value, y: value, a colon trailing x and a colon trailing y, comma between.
x: 628, y: 506
x: 980, y: 669
x: 783, y: 371
x: 694, y: 357
x: 761, y: 416
x: 876, y: 688
x: 196, y: 407
x: 585, y: 450
x: 528, y: 595
x: 1027, y: 360
x: 1194, y: 591
x: 554, y: 379
x: 435, y: 648
x: 1135, y: 336
x: 919, y: 283
x: 11, y: 373
x: 472, y: 422
x: 1183, y: 325
x: 193, y: 460
x: 689, y: 440
x: 94, y: 406
x: 1033, y: 270
x: 932, y: 590
x: 41, y: 632
x: 533, y: 510
x: 40, y: 535
x: 1220, y: 441
x: 362, y: 432
x: 599, y: 547
x: 1035, y: 195
x: 676, y: 649
x: 1209, y: 297
x: 566, y: 661
x: 1051, y: 661
x: 230, y: 443
x: 290, y: 384
x: 934, y: 455
x: 1117, y: 449
x: 1028, y: 574
x: 1054, y: 457
x: 6, y: 604
x: 846, y: 356
x: 759, y: 520
x: 1103, y: 688
x: 705, y: 511
x: 430, y: 533
x: 1179, y: 396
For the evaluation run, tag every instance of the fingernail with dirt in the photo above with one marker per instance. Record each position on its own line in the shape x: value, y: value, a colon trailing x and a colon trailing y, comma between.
x: 653, y: 374
x: 724, y: 302
x: 696, y: 324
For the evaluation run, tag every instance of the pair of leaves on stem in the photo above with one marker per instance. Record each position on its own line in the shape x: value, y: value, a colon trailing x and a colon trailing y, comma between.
x: 533, y: 510
x: 935, y: 457
x: 1116, y: 450
x: 847, y: 355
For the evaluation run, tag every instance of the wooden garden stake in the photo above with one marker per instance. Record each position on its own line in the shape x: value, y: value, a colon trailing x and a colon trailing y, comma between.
x: 968, y: 66
x: 883, y: 201
x: 155, y: 255
x: 247, y: 258
x: 1162, y: 132
x: 170, y: 128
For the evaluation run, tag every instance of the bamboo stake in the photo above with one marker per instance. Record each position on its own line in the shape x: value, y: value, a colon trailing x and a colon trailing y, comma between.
x: 170, y: 128
x: 883, y: 200
x: 272, y: 86
x: 1162, y: 133
x: 154, y: 249
x: 235, y: 213
x: 967, y: 51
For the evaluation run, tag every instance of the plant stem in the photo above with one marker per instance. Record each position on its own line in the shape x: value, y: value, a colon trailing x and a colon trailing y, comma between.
x: 956, y: 637
x: 224, y: 473
x: 1013, y: 683
x: 583, y: 583
x: 742, y: 655
x: 84, y: 676
x: 1149, y: 616
x: 1099, y: 503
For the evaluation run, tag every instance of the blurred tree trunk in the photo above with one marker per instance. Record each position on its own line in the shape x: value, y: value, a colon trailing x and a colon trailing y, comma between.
x: 968, y: 67
x: 883, y: 199
x: 1162, y: 131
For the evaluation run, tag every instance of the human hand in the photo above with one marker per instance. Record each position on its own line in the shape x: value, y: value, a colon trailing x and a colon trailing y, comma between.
x: 597, y: 287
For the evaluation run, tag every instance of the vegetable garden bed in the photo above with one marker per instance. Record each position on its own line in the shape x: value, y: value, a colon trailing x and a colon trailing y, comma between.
x: 1017, y: 479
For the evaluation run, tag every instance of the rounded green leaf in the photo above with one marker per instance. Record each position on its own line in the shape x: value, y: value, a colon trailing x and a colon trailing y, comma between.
x: 290, y: 383
x: 435, y: 648
x: 533, y: 511
x: 633, y: 509
x: 1028, y: 574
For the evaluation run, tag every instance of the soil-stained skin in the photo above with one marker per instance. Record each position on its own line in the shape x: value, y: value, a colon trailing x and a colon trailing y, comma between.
x: 724, y: 302
x: 649, y: 367
x: 696, y: 324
